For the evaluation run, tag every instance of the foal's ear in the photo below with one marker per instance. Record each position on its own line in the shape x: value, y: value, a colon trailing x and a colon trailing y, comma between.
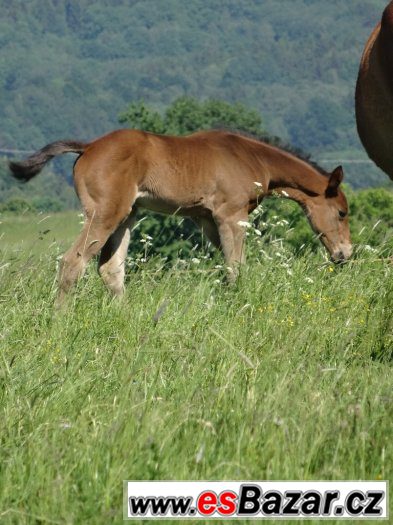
x: 335, y: 179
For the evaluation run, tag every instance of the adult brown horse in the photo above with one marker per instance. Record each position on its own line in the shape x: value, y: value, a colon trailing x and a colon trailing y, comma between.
x: 374, y: 94
x: 217, y: 178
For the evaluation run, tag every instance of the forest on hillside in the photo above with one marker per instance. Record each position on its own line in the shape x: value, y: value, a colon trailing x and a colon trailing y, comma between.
x: 68, y: 69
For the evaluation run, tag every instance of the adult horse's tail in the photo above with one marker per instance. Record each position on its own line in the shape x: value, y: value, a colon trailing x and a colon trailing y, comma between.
x: 27, y: 169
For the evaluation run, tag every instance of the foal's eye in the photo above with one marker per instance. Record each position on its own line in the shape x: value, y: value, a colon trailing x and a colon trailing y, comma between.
x: 342, y: 214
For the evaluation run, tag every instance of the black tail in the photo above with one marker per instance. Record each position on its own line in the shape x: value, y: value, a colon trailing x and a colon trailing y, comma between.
x: 27, y: 169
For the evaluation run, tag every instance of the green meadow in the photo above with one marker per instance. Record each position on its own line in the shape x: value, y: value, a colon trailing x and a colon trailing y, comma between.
x: 286, y: 375
x: 27, y: 234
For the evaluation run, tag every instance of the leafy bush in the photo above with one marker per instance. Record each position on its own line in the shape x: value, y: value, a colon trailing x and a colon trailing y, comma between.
x: 21, y: 205
x: 48, y: 204
x: 16, y: 205
x: 372, y: 216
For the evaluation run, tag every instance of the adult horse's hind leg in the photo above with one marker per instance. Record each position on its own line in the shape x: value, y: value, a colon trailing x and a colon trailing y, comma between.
x: 111, y: 265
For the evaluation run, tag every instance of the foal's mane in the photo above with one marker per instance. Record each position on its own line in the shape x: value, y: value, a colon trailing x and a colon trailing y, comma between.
x: 277, y: 142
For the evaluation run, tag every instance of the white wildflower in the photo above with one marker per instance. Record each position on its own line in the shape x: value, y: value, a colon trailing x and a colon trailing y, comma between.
x: 244, y: 307
x: 244, y: 224
x: 195, y: 260
x: 309, y: 280
x: 257, y: 232
x: 210, y: 303
x: 369, y: 248
x: 258, y: 184
x: 200, y: 454
x: 258, y: 210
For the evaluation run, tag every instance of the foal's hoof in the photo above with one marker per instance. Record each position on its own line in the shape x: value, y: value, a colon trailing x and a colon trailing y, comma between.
x: 61, y: 302
x: 231, y: 277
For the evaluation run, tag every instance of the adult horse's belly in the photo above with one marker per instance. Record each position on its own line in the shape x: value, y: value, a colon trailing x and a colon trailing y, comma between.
x: 374, y: 104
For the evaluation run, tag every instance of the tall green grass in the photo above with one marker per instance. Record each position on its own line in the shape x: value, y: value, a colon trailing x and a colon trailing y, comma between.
x: 285, y: 376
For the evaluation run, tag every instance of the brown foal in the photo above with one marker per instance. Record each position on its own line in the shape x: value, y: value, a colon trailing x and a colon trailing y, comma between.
x: 217, y: 178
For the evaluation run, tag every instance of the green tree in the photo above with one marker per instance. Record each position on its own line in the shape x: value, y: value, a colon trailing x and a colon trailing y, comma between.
x: 139, y: 116
x: 187, y: 114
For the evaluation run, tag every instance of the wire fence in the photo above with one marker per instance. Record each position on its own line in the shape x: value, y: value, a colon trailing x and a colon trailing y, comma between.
x: 321, y: 161
x: 16, y: 152
x: 346, y: 161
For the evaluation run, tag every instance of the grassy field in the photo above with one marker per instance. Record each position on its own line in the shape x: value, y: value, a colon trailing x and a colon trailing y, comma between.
x: 285, y: 376
x: 28, y: 234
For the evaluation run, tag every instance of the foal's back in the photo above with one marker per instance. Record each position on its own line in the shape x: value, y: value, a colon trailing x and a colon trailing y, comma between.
x: 187, y: 171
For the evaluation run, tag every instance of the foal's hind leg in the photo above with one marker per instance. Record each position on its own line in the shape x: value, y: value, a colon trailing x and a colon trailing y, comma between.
x: 209, y: 228
x: 95, y: 233
x: 111, y: 265
x: 90, y: 241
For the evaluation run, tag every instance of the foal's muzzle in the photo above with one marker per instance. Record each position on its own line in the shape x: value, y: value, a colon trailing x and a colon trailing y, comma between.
x: 342, y: 255
x: 338, y: 258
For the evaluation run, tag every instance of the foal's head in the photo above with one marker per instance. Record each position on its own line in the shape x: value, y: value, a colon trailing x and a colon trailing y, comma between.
x: 328, y: 215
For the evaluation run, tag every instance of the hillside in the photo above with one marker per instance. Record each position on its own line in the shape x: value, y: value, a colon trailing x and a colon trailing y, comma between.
x: 67, y: 69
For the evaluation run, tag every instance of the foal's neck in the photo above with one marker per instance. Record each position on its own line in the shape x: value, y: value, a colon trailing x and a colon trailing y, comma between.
x: 293, y: 176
